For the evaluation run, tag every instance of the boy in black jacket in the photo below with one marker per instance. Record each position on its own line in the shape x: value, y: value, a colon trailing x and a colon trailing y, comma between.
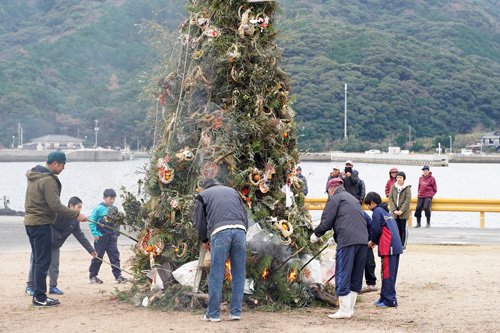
x: 61, y: 229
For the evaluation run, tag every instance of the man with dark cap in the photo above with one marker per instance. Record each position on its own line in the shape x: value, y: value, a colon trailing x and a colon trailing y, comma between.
x: 352, y: 183
x: 427, y: 188
x: 298, y: 173
x: 42, y: 205
x: 221, y: 223
x: 344, y: 215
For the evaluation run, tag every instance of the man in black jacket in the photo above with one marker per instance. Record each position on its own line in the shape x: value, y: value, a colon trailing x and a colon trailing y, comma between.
x: 344, y: 215
x: 61, y: 229
x: 221, y: 222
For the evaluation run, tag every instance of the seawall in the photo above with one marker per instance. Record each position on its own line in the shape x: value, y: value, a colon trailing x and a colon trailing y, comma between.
x: 82, y: 155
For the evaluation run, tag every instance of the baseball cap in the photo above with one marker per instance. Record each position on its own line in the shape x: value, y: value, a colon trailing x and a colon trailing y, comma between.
x: 349, y: 162
x: 57, y: 156
x: 426, y: 167
x: 336, y: 167
x: 335, y: 182
x: 298, y: 168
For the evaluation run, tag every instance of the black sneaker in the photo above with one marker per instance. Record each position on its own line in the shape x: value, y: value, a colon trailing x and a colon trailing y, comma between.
x: 48, y: 302
x: 120, y: 279
x: 94, y: 280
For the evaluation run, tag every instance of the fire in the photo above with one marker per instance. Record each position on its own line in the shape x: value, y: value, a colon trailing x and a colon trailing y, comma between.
x: 265, y: 274
x: 292, y: 275
x: 227, y: 271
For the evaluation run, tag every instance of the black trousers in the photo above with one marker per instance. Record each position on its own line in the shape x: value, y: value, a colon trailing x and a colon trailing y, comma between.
x: 403, y: 233
x: 424, y: 203
x: 370, y: 277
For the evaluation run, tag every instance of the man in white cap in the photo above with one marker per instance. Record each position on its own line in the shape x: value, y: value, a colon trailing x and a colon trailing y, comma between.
x: 334, y: 174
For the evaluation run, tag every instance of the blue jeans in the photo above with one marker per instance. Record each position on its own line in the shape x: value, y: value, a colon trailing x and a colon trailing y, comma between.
x: 41, y: 248
x: 230, y: 241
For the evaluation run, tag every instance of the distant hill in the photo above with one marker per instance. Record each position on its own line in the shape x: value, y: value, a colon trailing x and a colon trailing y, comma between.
x: 432, y: 65
x: 65, y: 63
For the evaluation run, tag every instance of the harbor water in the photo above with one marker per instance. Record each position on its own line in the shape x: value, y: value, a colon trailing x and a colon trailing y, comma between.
x: 88, y: 180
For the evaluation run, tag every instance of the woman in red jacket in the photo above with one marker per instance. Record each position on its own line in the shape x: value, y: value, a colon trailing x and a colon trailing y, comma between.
x: 391, y: 181
x: 427, y: 188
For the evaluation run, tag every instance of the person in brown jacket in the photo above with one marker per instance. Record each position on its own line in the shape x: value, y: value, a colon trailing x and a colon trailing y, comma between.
x: 399, y: 203
x: 41, y: 208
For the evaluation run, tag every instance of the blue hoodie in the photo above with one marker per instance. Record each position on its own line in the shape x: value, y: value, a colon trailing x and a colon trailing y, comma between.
x: 98, y: 215
x: 385, y: 232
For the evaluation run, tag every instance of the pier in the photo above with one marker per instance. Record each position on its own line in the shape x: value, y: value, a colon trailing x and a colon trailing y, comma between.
x: 80, y: 155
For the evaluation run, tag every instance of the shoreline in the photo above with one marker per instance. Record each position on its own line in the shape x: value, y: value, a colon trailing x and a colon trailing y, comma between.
x: 78, y: 155
x: 398, y: 159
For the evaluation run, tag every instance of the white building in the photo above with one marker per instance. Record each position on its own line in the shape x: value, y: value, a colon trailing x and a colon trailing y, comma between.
x: 56, y: 141
x: 491, y: 139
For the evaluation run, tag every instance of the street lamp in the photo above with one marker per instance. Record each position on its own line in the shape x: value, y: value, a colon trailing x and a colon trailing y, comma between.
x: 13, y: 143
x: 450, y: 144
x: 96, y: 129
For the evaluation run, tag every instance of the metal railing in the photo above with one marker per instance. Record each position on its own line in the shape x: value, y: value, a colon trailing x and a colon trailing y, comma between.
x: 438, y: 205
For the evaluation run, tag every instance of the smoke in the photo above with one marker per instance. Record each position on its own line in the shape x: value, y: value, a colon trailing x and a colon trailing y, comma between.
x: 265, y: 242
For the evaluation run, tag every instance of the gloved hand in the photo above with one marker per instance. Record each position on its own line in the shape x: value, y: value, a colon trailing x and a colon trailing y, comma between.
x: 330, y: 241
x: 314, y: 238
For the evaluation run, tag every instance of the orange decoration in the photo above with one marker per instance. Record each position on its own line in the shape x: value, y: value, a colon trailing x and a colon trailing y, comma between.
x: 247, y: 199
x: 176, y: 250
x: 207, y: 115
x: 149, y: 248
x: 256, y: 177
x: 160, y: 97
x: 284, y: 226
x: 169, y: 216
x: 229, y: 167
x: 285, y: 135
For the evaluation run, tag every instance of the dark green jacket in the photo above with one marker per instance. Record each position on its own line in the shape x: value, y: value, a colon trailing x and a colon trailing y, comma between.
x: 42, y: 202
x: 403, y: 203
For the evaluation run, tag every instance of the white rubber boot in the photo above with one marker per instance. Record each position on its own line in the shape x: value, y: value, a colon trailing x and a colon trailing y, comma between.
x: 354, y: 297
x: 344, y: 308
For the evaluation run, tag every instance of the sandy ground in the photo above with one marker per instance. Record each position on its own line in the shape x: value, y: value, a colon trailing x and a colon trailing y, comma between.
x: 440, y: 289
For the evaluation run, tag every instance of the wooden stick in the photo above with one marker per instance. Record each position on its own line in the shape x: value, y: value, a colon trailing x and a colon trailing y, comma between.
x: 118, y: 231
x: 197, y: 275
x: 317, y: 254
x: 293, y: 255
x: 121, y: 269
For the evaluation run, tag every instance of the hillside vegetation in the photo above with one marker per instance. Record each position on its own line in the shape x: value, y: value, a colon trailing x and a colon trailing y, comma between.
x: 433, y: 65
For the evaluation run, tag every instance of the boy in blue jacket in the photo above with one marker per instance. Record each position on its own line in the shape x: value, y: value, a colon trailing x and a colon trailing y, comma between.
x: 105, y: 239
x: 385, y: 234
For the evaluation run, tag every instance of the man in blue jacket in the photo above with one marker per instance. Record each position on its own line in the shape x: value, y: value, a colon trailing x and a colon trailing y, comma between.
x: 344, y: 215
x: 221, y: 222
x: 385, y: 234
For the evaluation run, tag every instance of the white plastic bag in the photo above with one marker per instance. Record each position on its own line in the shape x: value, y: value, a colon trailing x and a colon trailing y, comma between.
x: 249, y: 286
x: 185, y: 274
x: 255, y: 229
x: 312, y: 272
x: 327, y: 271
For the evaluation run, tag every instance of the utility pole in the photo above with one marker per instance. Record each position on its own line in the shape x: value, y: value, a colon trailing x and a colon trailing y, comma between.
x: 450, y: 143
x: 345, y: 112
x: 96, y: 129
x: 409, y: 132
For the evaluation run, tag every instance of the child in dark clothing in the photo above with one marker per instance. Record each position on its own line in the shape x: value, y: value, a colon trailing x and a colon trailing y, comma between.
x: 105, y: 239
x: 385, y: 234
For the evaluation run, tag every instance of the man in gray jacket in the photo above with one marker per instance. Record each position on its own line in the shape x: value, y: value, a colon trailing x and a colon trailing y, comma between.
x: 221, y: 222
x: 344, y: 215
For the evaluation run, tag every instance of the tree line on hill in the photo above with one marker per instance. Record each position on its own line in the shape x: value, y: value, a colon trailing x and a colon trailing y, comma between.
x: 433, y: 66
